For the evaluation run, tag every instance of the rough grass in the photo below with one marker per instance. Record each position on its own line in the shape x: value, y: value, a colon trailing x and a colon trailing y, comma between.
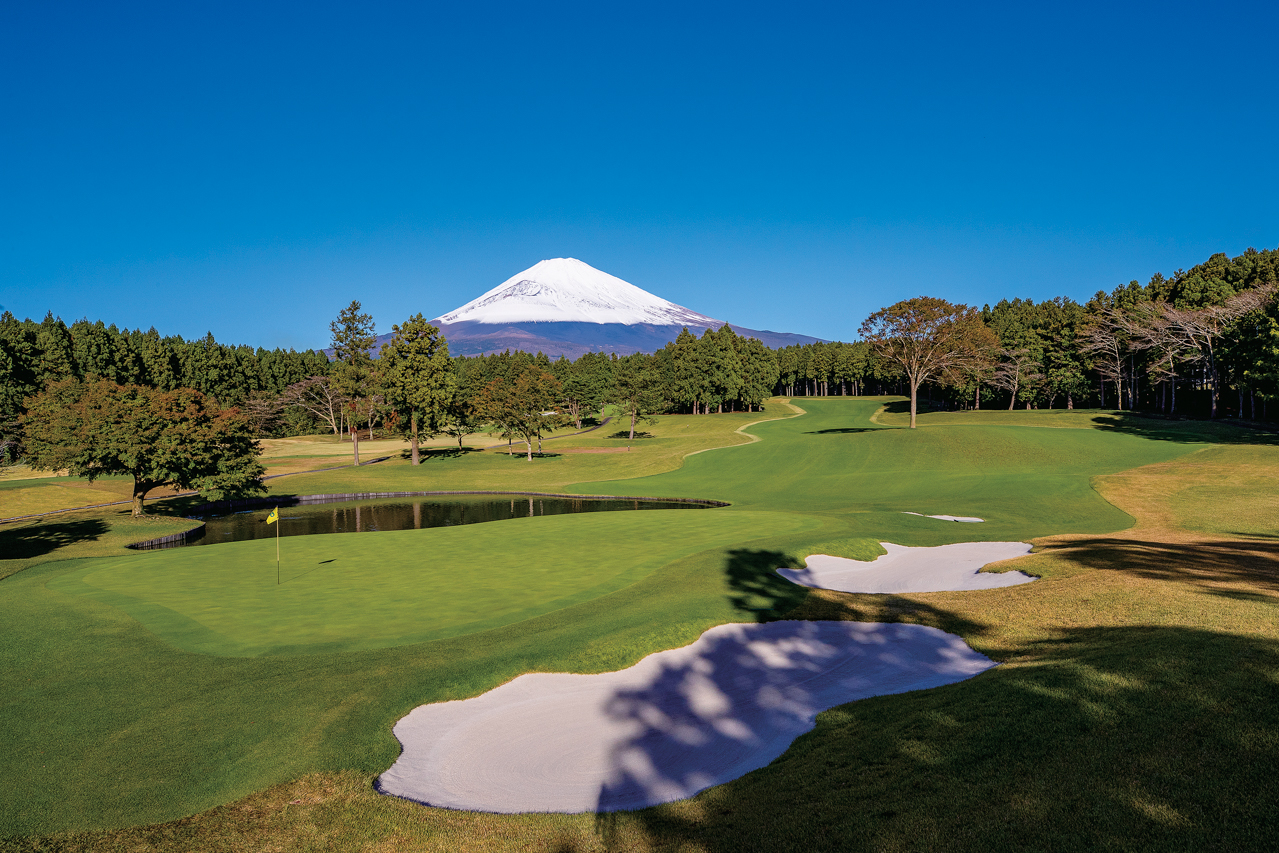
x: 1134, y: 710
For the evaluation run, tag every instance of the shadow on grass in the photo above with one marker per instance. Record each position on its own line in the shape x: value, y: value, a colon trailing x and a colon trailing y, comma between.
x: 1157, y: 428
x: 427, y: 454
x: 1117, y: 738
x: 625, y: 433
x: 757, y: 590
x: 36, y: 540
x: 1206, y: 564
x: 847, y: 430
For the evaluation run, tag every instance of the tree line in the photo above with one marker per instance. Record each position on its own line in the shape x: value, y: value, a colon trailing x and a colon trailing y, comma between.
x: 1201, y: 342
x: 34, y: 355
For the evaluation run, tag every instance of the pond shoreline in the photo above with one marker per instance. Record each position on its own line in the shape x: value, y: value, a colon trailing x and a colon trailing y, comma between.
x: 246, y: 504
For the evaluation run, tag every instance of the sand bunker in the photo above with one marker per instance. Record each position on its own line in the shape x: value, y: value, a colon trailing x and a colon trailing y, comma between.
x: 677, y: 722
x: 902, y: 569
x: 967, y: 519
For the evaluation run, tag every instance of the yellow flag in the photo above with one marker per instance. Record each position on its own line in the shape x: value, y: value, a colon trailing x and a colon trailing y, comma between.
x: 274, y: 516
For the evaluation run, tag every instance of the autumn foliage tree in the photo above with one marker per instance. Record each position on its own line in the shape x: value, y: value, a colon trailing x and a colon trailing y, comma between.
x: 927, y: 338
x: 173, y: 438
x: 522, y: 405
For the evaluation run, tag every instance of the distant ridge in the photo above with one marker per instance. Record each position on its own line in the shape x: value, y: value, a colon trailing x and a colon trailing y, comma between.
x: 564, y: 306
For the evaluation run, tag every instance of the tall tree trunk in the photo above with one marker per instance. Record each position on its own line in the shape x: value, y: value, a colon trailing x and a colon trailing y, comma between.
x: 140, y: 489
x: 355, y: 442
x: 413, y: 428
x: 1070, y: 401
x: 528, y: 444
x: 1212, y: 376
x: 914, y: 391
x: 633, y: 414
x: 978, y: 400
x: 1013, y: 401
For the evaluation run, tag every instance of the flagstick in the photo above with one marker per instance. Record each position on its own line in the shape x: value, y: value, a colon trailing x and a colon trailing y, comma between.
x: 277, y: 550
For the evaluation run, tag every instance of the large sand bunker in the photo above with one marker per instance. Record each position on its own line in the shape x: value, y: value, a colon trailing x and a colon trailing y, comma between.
x: 675, y: 723
x: 903, y: 569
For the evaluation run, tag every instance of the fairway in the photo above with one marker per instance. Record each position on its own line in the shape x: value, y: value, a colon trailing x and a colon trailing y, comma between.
x: 1025, y: 482
x: 342, y: 592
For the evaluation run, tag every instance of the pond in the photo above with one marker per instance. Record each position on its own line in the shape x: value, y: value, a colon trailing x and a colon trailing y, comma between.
x: 347, y: 516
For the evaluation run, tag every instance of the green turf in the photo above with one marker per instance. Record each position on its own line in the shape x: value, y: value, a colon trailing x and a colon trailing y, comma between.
x: 344, y: 592
x: 109, y: 724
x: 1025, y: 482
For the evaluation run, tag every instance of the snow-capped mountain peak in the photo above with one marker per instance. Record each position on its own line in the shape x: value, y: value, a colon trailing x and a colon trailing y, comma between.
x: 566, y: 290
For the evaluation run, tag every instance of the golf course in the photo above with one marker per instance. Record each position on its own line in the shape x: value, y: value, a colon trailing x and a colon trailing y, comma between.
x: 193, y: 699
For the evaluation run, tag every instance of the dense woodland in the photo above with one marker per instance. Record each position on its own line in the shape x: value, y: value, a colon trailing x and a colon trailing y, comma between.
x: 1202, y: 342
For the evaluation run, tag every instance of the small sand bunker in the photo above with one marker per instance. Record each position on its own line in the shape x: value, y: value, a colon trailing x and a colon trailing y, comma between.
x: 902, y: 569
x: 967, y: 519
x: 675, y: 723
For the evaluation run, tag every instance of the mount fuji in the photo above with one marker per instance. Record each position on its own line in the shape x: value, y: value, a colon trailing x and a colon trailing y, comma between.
x: 566, y: 307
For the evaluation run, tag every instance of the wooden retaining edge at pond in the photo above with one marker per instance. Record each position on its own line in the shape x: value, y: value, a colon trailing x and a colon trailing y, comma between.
x: 296, y: 500
x: 172, y: 537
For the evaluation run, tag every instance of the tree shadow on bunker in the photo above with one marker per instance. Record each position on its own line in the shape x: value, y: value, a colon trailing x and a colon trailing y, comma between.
x: 1125, y: 738
x: 36, y: 540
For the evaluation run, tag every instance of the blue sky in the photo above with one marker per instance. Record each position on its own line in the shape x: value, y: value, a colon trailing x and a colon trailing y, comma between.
x: 248, y: 169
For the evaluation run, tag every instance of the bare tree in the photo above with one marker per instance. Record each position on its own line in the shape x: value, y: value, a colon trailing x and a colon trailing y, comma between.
x: 1106, y: 338
x: 316, y: 395
x: 261, y: 410
x: 1150, y: 330
x: 1018, y: 370
x: 1202, y: 328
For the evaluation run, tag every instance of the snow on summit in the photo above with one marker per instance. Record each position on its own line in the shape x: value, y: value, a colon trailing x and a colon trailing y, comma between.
x: 566, y: 290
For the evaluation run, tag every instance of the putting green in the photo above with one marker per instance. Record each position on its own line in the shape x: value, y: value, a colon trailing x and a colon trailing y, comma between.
x: 342, y: 592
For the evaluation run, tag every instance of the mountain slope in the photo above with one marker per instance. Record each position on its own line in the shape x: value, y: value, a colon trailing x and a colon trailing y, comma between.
x: 566, y: 290
x: 564, y: 307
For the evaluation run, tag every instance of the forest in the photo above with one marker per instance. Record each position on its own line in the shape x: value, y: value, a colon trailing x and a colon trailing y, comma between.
x: 1202, y: 342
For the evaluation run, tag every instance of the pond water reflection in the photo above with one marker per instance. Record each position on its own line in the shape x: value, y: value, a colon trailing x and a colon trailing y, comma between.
x: 399, y: 514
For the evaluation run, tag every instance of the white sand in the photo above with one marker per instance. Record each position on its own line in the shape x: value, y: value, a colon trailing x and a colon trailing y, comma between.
x: 967, y: 519
x: 677, y: 722
x: 902, y: 569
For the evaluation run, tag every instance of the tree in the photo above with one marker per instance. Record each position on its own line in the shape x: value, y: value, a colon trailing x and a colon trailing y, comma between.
x: 1018, y: 371
x: 1204, y: 327
x: 353, y: 337
x: 927, y: 337
x: 160, y: 438
x: 522, y: 407
x: 317, y: 396
x: 1106, y: 336
x: 639, y: 389
x: 417, y: 377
